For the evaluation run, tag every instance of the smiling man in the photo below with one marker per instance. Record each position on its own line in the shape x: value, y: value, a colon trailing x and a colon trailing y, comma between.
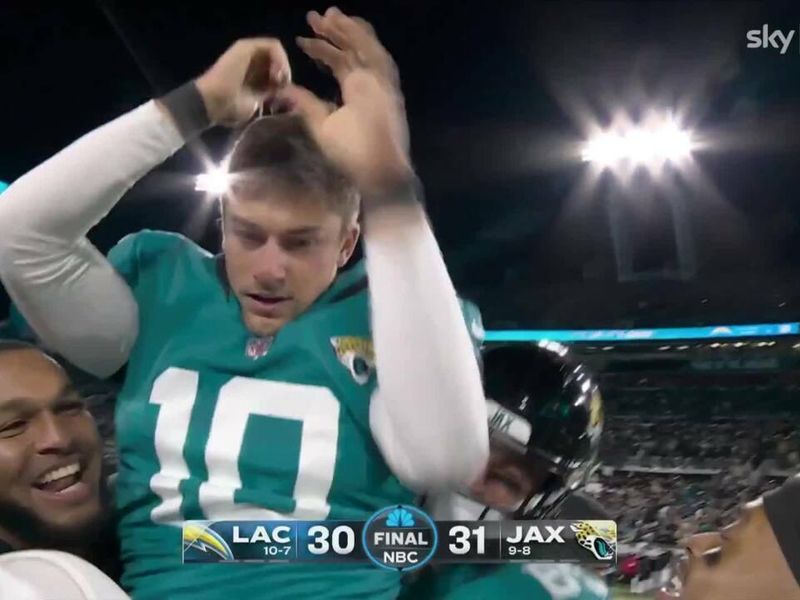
x: 51, y: 491
x: 50, y: 455
x: 56, y: 537
x: 755, y: 558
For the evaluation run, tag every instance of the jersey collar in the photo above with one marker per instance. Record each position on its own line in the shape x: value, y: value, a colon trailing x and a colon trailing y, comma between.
x: 347, y: 283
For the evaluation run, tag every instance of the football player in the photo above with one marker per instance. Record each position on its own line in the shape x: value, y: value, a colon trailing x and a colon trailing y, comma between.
x: 54, y: 504
x: 253, y: 389
x: 545, y: 420
x: 51, y: 488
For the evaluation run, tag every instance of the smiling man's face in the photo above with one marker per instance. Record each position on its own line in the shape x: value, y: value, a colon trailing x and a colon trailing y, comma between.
x: 741, y: 562
x: 50, y: 454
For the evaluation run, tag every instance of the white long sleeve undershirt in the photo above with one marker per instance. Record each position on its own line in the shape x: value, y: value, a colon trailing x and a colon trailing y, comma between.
x: 428, y: 415
x: 64, y: 287
x: 429, y: 407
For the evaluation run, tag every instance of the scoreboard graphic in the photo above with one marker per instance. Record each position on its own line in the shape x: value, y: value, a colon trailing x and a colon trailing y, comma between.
x: 402, y: 538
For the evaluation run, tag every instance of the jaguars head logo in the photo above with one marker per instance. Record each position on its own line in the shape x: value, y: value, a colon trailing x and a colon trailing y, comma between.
x: 356, y: 355
x: 597, y: 537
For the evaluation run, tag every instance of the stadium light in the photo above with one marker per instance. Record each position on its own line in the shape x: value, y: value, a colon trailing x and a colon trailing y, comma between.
x: 652, y: 143
x: 214, y: 182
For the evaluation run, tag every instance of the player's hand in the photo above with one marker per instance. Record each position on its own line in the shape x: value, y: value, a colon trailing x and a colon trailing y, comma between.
x: 367, y: 137
x: 247, y: 74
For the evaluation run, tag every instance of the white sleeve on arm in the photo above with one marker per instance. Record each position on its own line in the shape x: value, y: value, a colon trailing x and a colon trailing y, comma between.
x: 68, y: 292
x: 428, y: 414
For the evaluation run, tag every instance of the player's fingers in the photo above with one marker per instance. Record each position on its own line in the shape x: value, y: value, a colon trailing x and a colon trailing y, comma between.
x: 324, y: 27
x: 367, y: 48
x: 344, y: 32
x: 268, y: 64
x: 357, y: 33
x: 297, y: 99
x: 356, y: 29
x: 366, y: 25
x: 326, y: 53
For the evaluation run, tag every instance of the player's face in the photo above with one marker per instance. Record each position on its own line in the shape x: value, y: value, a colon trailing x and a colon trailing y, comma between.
x: 507, y: 481
x: 741, y: 562
x: 50, y: 453
x: 281, y: 253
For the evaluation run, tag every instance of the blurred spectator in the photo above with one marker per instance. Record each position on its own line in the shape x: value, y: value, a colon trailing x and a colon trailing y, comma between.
x: 678, y: 467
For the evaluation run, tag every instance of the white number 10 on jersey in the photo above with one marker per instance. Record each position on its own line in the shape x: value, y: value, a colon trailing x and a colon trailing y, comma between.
x: 315, y: 407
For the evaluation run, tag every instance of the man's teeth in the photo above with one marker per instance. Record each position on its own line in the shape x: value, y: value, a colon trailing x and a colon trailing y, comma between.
x: 59, y: 473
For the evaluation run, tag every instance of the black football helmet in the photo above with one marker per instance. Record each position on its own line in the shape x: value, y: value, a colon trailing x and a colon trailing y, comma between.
x: 545, y: 406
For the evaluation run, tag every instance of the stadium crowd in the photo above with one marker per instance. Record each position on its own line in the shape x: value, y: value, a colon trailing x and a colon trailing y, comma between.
x: 762, y: 446
x: 676, y: 466
x: 659, y: 510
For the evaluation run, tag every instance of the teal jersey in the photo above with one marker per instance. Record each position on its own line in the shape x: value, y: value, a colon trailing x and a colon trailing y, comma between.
x: 531, y: 581
x: 16, y: 327
x: 215, y: 424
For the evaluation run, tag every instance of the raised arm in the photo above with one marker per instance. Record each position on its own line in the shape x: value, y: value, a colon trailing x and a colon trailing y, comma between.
x: 68, y: 292
x: 428, y: 415
x: 64, y: 287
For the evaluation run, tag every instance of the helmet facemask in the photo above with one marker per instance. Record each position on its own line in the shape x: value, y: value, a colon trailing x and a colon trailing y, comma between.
x: 514, y: 485
x: 545, y: 419
x: 549, y: 484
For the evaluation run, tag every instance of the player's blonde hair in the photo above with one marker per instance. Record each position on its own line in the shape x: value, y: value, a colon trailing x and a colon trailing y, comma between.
x: 279, y: 151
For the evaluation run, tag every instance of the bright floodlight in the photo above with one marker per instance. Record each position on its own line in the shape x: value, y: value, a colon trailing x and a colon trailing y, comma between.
x: 639, y: 145
x: 215, y: 182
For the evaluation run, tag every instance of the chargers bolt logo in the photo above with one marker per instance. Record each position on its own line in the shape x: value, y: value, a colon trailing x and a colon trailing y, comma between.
x: 197, y: 536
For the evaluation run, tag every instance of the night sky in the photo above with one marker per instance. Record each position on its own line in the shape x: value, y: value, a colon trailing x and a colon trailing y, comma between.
x: 499, y: 95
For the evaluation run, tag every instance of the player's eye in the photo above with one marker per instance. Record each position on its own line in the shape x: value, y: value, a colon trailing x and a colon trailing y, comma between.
x: 71, y: 407
x: 13, y: 428
x: 249, y: 238
x: 298, y: 243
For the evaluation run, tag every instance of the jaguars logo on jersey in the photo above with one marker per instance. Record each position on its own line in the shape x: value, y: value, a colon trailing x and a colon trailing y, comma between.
x: 357, y: 356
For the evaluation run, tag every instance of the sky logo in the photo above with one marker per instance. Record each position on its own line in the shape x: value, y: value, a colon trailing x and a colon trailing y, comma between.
x: 765, y: 37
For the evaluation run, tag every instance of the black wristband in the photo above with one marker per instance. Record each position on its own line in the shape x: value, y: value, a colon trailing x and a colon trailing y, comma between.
x: 408, y: 191
x: 187, y: 108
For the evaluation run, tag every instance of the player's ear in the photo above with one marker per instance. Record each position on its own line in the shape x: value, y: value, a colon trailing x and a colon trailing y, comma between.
x: 352, y: 231
x: 221, y: 219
